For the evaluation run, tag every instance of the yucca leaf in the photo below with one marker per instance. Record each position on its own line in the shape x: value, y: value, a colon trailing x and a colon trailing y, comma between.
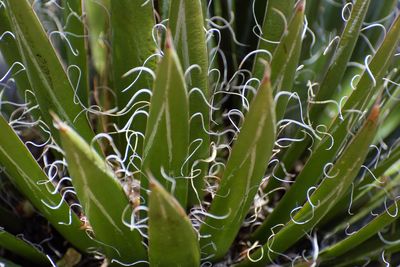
x: 390, y: 123
x: 277, y: 14
x: 377, y: 12
x: 377, y: 68
x: 163, y: 8
x: 103, y: 199
x: 76, y: 49
x: 326, y: 149
x: 330, y: 80
x: 26, y: 174
x: 132, y: 46
x: 9, y: 51
x: 373, y: 248
x: 362, y: 205
x: 243, y: 173
x: 187, y: 27
x: 375, y: 179
x: 46, y: 74
x: 333, y: 186
x: 309, y: 176
x: 286, y: 58
x: 22, y: 248
x: 343, y: 52
x: 97, y: 21
x: 367, y: 231
x: 167, y: 135
x: 170, y: 229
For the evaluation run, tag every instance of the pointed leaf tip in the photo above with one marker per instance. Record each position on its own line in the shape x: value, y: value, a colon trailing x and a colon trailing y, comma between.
x: 301, y: 6
x: 168, y: 40
x: 58, y: 123
x: 374, y: 115
x: 267, y: 76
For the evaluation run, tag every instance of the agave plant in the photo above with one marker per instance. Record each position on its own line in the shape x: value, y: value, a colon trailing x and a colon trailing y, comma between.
x: 199, y: 133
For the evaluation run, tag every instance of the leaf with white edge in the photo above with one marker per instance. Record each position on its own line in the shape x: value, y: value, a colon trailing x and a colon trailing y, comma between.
x: 326, y: 149
x: 103, y: 199
x: 375, y: 71
x: 172, y: 239
x: 277, y: 14
x: 167, y: 135
x: 334, y: 185
x: 187, y: 28
x: 243, y: 173
x: 372, y: 228
x: 133, y: 46
x: 343, y: 52
x: 23, y: 170
x: 10, y: 53
x: 48, y: 79
x: 97, y: 22
x: 76, y: 48
x: 286, y: 58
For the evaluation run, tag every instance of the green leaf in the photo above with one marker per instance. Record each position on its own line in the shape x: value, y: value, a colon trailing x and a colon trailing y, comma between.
x: 377, y: 68
x: 243, y: 173
x: 97, y: 21
x: 332, y: 188
x: 326, y: 149
x: 132, y: 46
x: 23, y: 170
x: 186, y: 22
x: 167, y: 135
x: 76, y: 49
x: 286, y: 58
x: 172, y: 239
x: 365, y: 202
x: 22, y: 248
x: 9, y: 51
x: 343, y: 52
x: 366, y: 187
x: 309, y: 176
x: 103, y: 199
x: 330, y: 80
x: 367, y: 231
x: 46, y: 74
x: 277, y: 14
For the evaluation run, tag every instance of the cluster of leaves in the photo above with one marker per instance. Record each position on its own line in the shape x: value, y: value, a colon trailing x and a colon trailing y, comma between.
x: 189, y: 132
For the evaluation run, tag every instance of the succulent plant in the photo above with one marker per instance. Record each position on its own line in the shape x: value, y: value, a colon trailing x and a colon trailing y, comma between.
x: 199, y: 133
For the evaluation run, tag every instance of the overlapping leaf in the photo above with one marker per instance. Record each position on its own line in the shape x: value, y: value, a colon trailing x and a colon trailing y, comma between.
x: 103, y: 200
x: 243, y: 173
x: 170, y: 229
x: 167, y: 134
x: 26, y: 174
